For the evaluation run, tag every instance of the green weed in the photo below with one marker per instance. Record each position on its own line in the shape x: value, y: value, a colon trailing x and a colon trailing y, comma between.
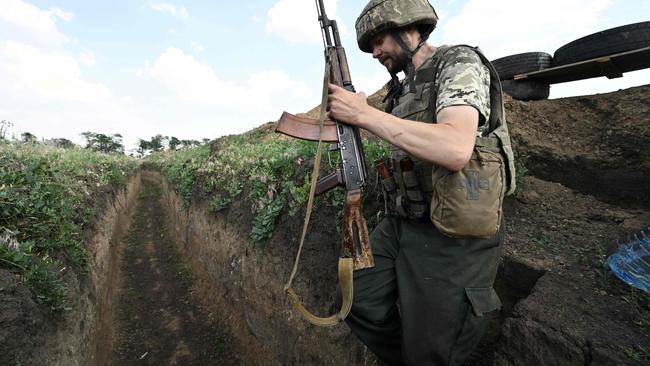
x: 274, y: 172
x: 520, y: 172
x: 600, y: 263
x: 46, y: 201
x: 543, y: 241
x: 640, y: 301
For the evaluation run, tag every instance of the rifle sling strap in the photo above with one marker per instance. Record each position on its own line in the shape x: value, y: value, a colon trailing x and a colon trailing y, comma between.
x: 346, y: 265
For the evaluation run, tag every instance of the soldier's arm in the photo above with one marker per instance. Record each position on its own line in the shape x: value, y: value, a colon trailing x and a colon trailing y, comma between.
x: 447, y: 143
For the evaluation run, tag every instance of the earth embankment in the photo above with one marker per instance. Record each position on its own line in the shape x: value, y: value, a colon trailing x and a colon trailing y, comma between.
x: 83, y: 334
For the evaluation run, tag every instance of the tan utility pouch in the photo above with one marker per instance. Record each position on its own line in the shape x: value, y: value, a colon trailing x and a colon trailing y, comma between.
x: 468, y: 203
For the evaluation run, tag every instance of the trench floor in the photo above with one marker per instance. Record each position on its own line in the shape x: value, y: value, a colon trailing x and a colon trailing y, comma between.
x: 159, y: 321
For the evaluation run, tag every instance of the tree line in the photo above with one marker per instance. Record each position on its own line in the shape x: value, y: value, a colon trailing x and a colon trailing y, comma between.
x: 110, y: 144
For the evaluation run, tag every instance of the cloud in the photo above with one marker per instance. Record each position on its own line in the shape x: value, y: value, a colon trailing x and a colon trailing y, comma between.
x: 270, y: 83
x: 505, y: 27
x: 371, y: 82
x: 191, y: 80
x: 25, y: 22
x: 297, y: 22
x: 87, y: 58
x: 197, y: 47
x: 61, y: 14
x: 196, y: 83
x: 169, y: 8
x: 31, y: 73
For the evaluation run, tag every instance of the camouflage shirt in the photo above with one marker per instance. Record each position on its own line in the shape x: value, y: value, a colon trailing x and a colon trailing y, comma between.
x: 461, y: 79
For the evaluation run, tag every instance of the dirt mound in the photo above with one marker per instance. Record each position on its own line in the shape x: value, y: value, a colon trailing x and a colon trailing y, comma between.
x: 594, y: 144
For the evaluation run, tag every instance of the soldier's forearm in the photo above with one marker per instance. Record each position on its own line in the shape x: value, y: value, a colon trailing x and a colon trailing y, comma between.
x: 447, y: 143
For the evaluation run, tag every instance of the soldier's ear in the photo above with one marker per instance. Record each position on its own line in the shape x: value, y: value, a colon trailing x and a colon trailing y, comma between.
x: 410, y: 32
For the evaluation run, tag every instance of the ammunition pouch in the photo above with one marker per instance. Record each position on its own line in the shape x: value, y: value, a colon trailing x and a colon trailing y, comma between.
x: 463, y: 204
x: 408, y: 192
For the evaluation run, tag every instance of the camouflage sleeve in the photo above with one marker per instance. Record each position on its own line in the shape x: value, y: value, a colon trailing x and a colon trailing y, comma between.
x: 463, y: 80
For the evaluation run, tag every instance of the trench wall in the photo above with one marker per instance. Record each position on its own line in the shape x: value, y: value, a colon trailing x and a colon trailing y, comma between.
x: 243, y: 286
x: 84, y: 336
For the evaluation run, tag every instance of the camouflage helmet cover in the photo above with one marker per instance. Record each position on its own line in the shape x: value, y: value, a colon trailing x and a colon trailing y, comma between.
x: 382, y: 15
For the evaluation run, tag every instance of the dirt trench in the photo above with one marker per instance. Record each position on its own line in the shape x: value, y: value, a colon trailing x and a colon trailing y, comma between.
x: 159, y: 321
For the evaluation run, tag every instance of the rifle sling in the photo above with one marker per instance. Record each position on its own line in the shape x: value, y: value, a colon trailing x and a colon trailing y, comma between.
x: 346, y: 265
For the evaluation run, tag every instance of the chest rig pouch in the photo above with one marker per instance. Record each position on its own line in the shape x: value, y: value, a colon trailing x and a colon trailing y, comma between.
x: 462, y: 204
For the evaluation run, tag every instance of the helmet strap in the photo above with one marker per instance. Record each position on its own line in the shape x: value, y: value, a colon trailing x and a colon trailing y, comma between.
x: 410, y: 68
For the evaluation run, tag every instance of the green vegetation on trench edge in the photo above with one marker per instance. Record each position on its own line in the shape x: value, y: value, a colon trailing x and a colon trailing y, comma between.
x: 272, y: 170
x: 47, y: 199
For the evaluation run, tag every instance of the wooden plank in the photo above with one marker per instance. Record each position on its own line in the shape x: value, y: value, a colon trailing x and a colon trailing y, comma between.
x: 611, y: 66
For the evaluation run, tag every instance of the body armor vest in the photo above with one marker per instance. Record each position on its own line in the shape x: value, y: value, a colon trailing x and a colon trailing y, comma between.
x: 410, y: 184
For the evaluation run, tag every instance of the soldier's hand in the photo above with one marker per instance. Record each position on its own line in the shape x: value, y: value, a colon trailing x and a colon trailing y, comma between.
x: 346, y: 106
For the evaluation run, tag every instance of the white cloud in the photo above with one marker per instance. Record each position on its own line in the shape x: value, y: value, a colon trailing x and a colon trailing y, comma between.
x: 370, y: 83
x: 197, y: 47
x: 87, y: 58
x: 296, y: 20
x: 22, y: 21
x: 600, y: 85
x: 267, y: 84
x: 169, y: 8
x: 32, y: 73
x: 191, y: 80
x: 61, y: 14
x: 196, y: 83
x: 504, y: 27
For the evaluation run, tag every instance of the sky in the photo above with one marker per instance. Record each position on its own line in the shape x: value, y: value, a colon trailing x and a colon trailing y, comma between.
x: 203, y: 69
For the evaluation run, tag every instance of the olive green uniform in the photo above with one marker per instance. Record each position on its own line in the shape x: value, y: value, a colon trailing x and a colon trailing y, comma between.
x: 424, y: 301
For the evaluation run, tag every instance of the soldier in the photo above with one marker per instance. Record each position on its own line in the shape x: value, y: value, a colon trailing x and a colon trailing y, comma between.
x: 437, y: 249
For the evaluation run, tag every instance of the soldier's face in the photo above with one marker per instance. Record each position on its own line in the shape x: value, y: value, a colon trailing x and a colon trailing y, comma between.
x: 389, y: 53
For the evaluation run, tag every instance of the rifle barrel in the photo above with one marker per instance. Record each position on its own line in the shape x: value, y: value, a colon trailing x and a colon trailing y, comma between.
x: 324, y: 21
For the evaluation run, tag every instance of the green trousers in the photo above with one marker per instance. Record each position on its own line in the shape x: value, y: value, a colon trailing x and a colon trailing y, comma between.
x: 424, y: 301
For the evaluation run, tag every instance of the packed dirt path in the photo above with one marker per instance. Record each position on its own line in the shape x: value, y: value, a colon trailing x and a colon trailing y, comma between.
x: 159, y: 322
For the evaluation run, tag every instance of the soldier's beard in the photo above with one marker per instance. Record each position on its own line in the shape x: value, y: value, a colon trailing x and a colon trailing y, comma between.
x: 400, y: 61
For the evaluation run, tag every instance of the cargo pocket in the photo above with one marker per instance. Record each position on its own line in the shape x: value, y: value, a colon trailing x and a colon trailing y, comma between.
x: 483, y: 299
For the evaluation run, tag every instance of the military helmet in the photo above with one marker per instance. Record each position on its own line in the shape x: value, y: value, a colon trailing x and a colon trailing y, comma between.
x: 382, y: 15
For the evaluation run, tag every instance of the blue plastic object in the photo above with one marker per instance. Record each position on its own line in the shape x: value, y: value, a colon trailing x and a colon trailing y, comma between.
x: 631, y: 262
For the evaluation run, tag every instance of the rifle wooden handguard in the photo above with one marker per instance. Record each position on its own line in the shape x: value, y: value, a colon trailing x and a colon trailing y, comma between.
x: 306, y: 128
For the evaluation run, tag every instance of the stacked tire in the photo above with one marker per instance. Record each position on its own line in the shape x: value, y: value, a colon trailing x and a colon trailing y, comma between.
x: 521, y: 63
x: 608, y: 42
x: 611, y: 41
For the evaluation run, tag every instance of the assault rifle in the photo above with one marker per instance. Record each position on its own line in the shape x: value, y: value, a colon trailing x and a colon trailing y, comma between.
x: 352, y: 174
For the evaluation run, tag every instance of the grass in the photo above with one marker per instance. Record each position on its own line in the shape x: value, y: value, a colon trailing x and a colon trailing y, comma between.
x: 520, y: 172
x: 46, y: 201
x: 543, y: 241
x: 271, y: 170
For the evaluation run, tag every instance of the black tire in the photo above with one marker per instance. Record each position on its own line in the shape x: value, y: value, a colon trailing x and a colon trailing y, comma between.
x: 615, y: 40
x: 509, y: 66
x: 526, y: 90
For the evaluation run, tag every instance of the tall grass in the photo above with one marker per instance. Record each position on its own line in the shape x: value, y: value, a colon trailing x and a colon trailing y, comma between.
x: 272, y: 169
x: 47, y: 198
